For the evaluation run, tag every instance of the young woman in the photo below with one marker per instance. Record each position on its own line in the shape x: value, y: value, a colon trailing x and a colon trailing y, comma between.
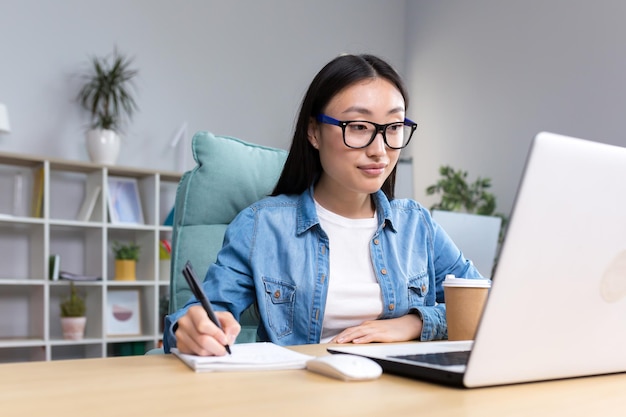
x: 331, y: 256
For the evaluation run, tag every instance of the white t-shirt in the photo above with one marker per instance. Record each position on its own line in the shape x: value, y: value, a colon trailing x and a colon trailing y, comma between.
x: 353, y: 292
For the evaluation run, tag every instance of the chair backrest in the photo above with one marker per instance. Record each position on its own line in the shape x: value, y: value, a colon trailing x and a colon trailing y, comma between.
x: 229, y: 175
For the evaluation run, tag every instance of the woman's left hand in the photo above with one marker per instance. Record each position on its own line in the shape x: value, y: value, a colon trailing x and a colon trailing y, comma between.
x: 400, y: 329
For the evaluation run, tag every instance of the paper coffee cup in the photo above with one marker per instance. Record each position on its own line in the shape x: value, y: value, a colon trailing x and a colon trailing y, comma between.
x: 465, y: 300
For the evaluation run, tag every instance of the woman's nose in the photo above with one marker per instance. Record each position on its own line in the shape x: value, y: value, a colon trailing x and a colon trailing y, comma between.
x: 377, y: 146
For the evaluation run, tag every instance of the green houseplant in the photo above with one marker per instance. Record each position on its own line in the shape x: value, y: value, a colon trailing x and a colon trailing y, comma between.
x: 467, y: 211
x: 457, y: 194
x: 126, y: 258
x: 129, y: 251
x: 107, y: 94
x: 73, y: 318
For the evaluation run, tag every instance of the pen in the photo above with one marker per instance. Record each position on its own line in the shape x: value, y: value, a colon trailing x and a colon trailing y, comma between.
x: 190, y: 276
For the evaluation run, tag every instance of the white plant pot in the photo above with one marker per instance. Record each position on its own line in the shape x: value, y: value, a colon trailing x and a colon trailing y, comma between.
x: 103, y: 146
x: 73, y: 327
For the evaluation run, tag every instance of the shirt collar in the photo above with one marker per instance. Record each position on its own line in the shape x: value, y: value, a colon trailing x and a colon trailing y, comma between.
x: 307, y: 215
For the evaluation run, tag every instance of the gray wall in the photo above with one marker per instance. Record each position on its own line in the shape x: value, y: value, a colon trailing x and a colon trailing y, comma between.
x: 237, y: 68
x: 487, y: 75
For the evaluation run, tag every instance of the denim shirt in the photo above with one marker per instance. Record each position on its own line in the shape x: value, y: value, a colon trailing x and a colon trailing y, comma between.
x: 276, y: 254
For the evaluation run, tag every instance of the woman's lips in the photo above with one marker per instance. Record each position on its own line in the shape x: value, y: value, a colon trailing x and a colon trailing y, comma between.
x: 373, y: 169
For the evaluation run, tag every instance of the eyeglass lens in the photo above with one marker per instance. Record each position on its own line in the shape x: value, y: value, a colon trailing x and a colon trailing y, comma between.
x: 360, y: 133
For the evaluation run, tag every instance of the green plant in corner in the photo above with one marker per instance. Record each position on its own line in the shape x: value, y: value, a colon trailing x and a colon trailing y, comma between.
x: 128, y: 251
x: 74, y: 304
x: 107, y: 92
x: 457, y: 194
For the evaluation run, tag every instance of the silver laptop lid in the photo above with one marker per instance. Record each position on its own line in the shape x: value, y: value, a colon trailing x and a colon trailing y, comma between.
x: 557, y: 307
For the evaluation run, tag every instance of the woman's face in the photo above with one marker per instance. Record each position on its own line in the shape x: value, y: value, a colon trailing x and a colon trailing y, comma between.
x: 349, y: 171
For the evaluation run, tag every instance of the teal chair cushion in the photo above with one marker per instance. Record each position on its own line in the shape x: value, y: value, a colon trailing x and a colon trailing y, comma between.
x: 230, y: 174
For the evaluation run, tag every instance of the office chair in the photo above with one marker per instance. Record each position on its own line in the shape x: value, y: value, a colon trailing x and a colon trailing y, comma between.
x: 229, y: 175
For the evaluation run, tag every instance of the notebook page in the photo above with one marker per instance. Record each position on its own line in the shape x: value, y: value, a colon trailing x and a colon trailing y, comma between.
x: 261, y: 356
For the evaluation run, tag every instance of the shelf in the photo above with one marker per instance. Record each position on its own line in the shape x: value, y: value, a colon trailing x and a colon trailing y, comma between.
x: 29, y: 301
x: 14, y: 343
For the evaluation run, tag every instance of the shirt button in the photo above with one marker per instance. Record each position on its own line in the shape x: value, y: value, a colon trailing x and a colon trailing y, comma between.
x: 423, y: 288
x: 376, y: 241
x: 391, y: 306
x: 383, y: 271
x: 277, y: 294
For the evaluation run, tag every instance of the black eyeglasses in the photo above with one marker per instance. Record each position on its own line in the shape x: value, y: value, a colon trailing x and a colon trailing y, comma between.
x: 359, y: 134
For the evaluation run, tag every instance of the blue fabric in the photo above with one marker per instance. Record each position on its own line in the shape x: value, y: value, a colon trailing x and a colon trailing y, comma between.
x: 169, y: 220
x: 275, y: 253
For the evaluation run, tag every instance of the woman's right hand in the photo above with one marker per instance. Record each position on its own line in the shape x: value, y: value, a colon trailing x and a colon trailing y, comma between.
x: 198, y: 335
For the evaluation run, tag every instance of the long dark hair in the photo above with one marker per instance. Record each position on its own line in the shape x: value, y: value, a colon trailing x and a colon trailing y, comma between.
x: 303, y: 165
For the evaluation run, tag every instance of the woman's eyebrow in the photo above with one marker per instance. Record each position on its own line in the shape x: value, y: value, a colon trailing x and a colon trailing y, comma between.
x: 365, y: 111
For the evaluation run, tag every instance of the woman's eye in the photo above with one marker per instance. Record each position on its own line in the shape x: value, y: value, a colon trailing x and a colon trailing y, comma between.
x: 359, y: 126
x: 394, y: 128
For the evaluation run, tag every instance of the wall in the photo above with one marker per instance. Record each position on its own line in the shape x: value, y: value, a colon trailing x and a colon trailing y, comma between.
x: 486, y: 75
x: 238, y: 68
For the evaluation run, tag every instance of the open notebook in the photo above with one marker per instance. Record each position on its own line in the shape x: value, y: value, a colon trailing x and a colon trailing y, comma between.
x: 247, y: 357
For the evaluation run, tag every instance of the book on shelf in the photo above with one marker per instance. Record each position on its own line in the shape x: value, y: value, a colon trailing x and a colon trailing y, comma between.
x: 70, y: 276
x: 37, y: 201
x: 89, y: 202
x: 129, y: 349
x: 18, y: 187
x: 53, y: 267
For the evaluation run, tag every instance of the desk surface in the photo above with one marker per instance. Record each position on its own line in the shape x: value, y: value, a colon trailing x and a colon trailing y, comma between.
x: 161, y: 385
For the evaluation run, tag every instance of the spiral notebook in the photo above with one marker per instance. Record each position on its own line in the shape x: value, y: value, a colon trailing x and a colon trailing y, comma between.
x: 262, y: 356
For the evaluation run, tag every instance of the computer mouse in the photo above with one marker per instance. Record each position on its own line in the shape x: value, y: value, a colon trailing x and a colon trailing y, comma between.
x: 345, y: 367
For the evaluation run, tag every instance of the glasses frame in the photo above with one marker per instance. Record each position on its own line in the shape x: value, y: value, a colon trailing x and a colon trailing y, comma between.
x: 323, y: 118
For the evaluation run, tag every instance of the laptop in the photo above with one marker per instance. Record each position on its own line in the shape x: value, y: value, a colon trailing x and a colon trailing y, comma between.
x: 557, y: 306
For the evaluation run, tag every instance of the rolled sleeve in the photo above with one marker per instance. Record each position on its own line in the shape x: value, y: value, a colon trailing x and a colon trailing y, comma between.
x: 170, y: 325
x: 434, y: 324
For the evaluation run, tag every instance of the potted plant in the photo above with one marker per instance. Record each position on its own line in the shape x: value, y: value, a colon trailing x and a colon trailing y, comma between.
x: 467, y: 212
x: 126, y: 257
x: 459, y: 195
x: 73, y: 318
x: 107, y: 95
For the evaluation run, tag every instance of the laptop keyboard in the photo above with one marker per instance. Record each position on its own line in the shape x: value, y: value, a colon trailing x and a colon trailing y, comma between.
x: 441, y: 358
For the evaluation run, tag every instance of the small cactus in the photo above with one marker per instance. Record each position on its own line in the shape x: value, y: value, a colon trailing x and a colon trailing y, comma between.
x: 74, y: 305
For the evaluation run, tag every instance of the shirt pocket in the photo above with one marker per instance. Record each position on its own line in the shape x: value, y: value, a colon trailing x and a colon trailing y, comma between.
x: 280, y: 301
x: 418, y: 288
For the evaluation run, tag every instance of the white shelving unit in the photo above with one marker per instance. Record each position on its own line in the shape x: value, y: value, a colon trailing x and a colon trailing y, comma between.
x: 30, y: 327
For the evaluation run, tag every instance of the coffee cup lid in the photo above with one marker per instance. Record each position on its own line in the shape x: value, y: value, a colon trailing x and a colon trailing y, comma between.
x: 452, y: 281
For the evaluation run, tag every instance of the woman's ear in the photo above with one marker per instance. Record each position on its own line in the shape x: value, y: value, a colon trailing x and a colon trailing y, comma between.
x: 312, y: 133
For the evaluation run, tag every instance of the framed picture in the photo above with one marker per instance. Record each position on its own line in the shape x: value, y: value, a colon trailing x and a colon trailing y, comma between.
x: 123, y: 313
x: 124, y: 202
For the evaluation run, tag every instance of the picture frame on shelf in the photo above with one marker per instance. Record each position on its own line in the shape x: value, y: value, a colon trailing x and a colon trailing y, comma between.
x: 123, y: 201
x: 89, y: 202
x: 123, y: 313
